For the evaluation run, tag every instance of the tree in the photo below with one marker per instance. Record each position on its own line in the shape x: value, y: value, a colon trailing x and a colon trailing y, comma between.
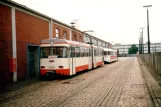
x: 133, y: 49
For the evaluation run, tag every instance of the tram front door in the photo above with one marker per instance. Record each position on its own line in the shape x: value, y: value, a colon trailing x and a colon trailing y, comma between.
x: 72, y: 61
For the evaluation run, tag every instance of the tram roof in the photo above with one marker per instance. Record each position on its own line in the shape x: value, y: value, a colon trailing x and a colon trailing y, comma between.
x: 107, y: 49
x: 63, y: 41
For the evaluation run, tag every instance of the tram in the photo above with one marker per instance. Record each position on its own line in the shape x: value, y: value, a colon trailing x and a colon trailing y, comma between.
x: 65, y: 57
x: 110, y: 55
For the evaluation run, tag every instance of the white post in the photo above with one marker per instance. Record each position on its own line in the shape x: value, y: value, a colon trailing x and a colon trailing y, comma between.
x: 14, y: 48
x: 70, y: 34
x: 50, y: 29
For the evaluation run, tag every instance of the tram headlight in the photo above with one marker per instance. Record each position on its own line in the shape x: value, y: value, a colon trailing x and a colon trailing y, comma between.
x: 61, y: 67
x: 42, y: 66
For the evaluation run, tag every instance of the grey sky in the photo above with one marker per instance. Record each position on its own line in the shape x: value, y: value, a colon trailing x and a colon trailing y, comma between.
x: 112, y: 20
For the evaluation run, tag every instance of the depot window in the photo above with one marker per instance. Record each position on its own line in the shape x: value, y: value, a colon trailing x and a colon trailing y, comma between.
x: 57, y: 31
x: 75, y: 37
x: 65, y: 35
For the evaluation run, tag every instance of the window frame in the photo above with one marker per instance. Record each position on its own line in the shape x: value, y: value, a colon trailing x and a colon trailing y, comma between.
x: 65, y: 36
x: 57, y: 32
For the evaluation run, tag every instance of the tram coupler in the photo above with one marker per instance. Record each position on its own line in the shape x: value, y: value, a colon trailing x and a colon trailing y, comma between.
x: 50, y: 75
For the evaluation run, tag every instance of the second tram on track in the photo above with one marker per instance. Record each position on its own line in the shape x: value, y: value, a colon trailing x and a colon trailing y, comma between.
x: 110, y: 55
x: 64, y: 57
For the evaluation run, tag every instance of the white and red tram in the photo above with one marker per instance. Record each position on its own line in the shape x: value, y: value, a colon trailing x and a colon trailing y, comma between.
x: 64, y: 57
x: 110, y: 55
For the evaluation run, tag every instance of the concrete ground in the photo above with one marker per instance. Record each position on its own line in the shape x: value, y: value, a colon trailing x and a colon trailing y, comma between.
x: 119, y: 84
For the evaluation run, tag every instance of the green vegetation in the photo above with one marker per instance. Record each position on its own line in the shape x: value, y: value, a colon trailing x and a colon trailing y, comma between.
x: 133, y: 49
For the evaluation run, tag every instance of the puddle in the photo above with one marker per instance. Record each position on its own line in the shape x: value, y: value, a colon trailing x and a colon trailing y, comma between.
x: 73, y: 81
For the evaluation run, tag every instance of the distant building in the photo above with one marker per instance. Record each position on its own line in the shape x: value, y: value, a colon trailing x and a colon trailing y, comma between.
x: 123, y: 49
x: 117, y: 44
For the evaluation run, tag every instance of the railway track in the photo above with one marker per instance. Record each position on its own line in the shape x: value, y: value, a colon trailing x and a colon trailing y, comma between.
x: 41, y: 85
x: 119, y: 83
x: 60, y: 99
x: 64, y: 98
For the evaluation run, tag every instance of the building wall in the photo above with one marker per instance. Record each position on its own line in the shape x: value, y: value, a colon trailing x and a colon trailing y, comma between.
x: 76, y: 36
x: 29, y: 30
x: 5, y: 43
x: 61, y: 29
x: 109, y: 45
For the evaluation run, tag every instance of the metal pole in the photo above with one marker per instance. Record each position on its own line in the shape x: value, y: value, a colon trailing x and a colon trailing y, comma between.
x: 139, y: 45
x: 148, y: 27
x: 148, y: 31
x: 142, y: 42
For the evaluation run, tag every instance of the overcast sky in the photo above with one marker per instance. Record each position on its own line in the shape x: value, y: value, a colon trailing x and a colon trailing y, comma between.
x: 117, y: 21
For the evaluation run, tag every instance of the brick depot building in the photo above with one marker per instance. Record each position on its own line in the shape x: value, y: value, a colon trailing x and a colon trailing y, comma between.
x: 21, y: 30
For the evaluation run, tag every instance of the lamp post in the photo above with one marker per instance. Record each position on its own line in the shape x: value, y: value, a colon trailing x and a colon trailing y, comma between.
x: 72, y: 24
x: 142, y: 41
x: 146, y: 6
x: 140, y: 46
x: 84, y: 32
x: 142, y: 38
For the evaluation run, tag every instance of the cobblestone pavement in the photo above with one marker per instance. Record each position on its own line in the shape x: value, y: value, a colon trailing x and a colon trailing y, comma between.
x: 117, y: 84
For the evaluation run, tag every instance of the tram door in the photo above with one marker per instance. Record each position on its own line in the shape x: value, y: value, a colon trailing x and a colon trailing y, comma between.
x: 90, y: 58
x: 94, y: 57
x: 72, y: 61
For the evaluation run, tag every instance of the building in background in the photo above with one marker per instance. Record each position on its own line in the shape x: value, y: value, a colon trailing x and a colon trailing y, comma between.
x: 123, y: 49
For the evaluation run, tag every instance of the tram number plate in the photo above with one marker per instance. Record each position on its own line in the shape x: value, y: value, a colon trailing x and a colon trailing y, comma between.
x: 52, y: 71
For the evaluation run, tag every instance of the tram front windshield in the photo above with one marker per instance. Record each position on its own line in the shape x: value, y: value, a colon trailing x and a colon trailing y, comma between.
x: 57, y: 52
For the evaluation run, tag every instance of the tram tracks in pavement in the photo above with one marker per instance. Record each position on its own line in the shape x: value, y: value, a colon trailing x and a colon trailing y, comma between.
x: 64, y: 98
x: 55, y: 82
x: 118, y: 85
x: 41, y: 85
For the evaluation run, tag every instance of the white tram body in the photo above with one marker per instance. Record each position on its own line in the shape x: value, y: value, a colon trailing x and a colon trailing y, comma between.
x: 110, y: 55
x: 64, y: 57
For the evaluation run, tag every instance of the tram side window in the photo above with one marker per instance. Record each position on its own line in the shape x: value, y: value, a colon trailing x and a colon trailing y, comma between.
x: 90, y: 52
x: 111, y: 53
x: 96, y: 52
x: 77, y: 51
x: 86, y: 52
x: 101, y: 52
x: 72, y: 52
x: 105, y: 53
x: 108, y: 52
x: 81, y: 51
x: 114, y: 53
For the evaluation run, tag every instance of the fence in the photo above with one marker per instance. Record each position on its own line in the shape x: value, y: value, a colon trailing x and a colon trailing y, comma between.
x: 153, y: 60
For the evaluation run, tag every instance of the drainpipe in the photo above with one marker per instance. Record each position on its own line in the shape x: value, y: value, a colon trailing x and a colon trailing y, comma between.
x: 50, y: 29
x: 14, y: 48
